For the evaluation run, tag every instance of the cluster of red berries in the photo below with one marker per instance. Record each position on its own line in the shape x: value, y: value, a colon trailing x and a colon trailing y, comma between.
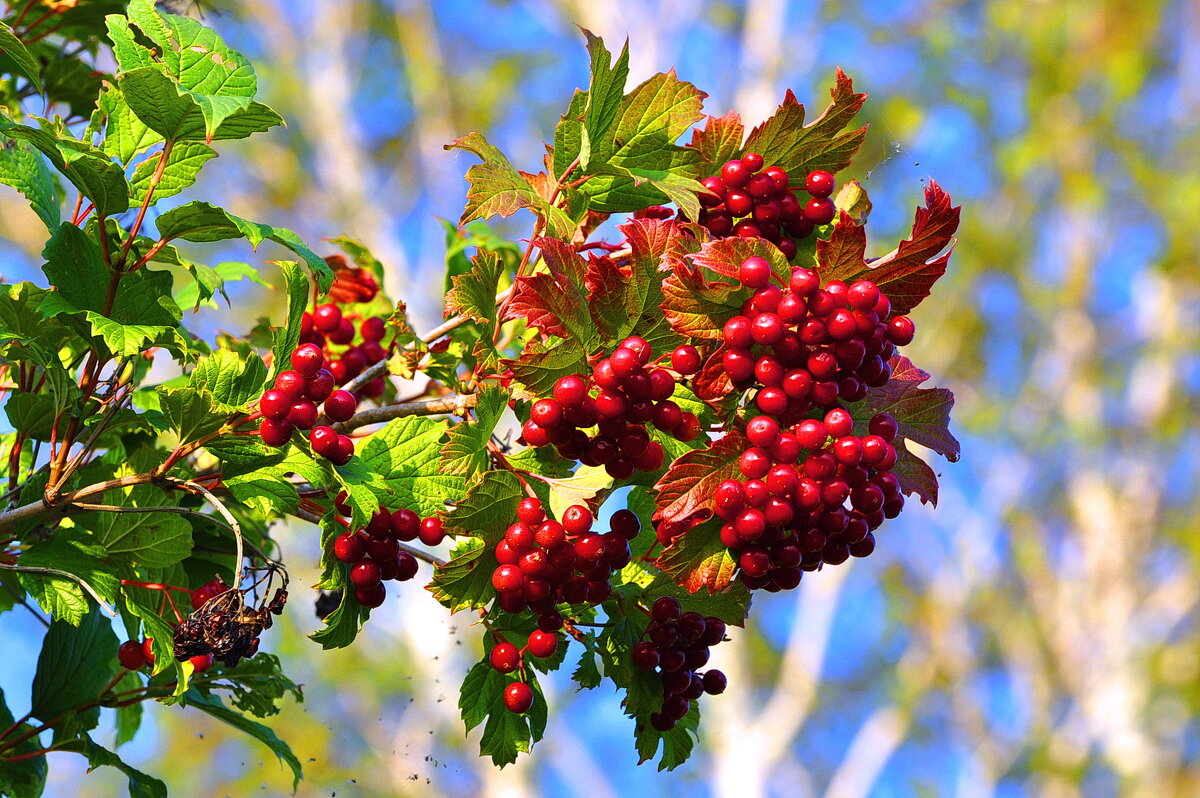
x: 809, y: 495
x: 326, y: 325
x: 374, y: 553
x: 749, y: 201
x: 543, y: 562
x: 805, y: 346
x: 628, y: 396
x: 676, y: 651
x: 292, y: 404
x: 506, y: 658
x: 137, y: 654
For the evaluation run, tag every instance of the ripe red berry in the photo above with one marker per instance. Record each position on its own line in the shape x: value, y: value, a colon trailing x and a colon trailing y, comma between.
x: 689, y: 429
x: 291, y: 385
x: 321, y: 386
x: 762, y: 431
x: 543, y: 644
x: 432, y: 532
x: 303, y: 414
x: 839, y: 422
x: 373, y: 328
x: 349, y: 547
x: 307, y: 360
x: 754, y: 272
x: 819, y: 210
x: 715, y: 192
x: 130, y: 655
x: 900, y: 330
x: 714, y: 682
x: 577, y: 519
x: 739, y: 203
x: 529, y: 511
x: 343, y: 451
x: 645, y: 655
x: 275, y: 433
x: 324, y: 441
x: 767, y: 329
x: 686, y: 360
x: 570, y: 390
x: 819, y: 183
x: 201, y: 662
x: 275, y: 405
x: 508, y: 578
x: 327, y: 318
x: 625, y: 523
x: 735, y: 174
x: 546, y: 413
x: 365, y: 573
x: 667, y: 416
x: 148, y: 650
x: 518, y: 697
x: 340, y: 405
x: 370, y: 597
x: 404, y: 524
x: 505, y: 657
x: 863, y: 295
x: 666, y: 608
x: 752, y: 161
x: 883, y: 425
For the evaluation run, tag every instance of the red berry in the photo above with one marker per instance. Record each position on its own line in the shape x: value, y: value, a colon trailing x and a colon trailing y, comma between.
x: 201, y: 662
x: 883, y: 425
x: 839, y: 422
x: 291, y: 384
x: 715, y: 192
x: 645, y: 655
x: 754, y: 272
x: 639, y: 346
x: 349, y: 547
x: 508, y: 578
x: 804, y: 282
x: 667, y: 416
x: 340, y: 405
x: 307, y: 360
x: 714, y: 682
x: 324, y: 441
x: 303, y: 414
x: 762, y: 431
x: 666, y: 608
x: 543, y: 644
x: 819, y: 210
x: 546, y: 413
x: 819, y: 183
x: 373, y: 328
x: 752, y: 161
x: 275, y: 433
x: 321, y: 386
x: 686, y: 360
x: 900, y: 330
x: 518, y: 697
x: 529, y: 511
x: 739, y: 203
x: 343, y: 451
x: 370, y: 597
x: 148, y: 650
x: 767, y: 329
x: 505, y: 657
x: 863, y: 295
x: 404, y: 524
x: 735, y: 174
x: 275, y: 405
x: 326, y: 318
x: 577, y: 519
x: 365, y: 573
x: 570, y: 390
x: 432, y: 532
x: 130, y: 655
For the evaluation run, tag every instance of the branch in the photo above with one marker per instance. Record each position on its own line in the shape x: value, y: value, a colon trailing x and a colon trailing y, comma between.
x: 457, y: 404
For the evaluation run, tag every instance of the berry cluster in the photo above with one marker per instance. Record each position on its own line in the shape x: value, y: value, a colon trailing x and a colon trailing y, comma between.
x: 749, y: 201
x: 326, y: 325
x: 374, y: 553
x: 292, y: 404
x: 677, y: 649
x: 627, y: 397
x: 805, y: 346
x: 794, y: 511
x: 506, y: 658
x: 543, y: 562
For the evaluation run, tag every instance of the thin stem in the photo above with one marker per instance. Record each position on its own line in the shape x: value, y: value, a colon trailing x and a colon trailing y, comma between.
x: 154, y: 180
x: 21, y: 16
x: 456, y: 404
x: 235, y: 527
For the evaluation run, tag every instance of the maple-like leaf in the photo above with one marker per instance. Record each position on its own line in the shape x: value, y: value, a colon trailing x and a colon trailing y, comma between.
x: 555, y: 301
x: 906, y: 273
x: 720, y: 139
x: 915, y: 475
x: 538, y: 367
x: 784, y: 140
x: 686, y: 490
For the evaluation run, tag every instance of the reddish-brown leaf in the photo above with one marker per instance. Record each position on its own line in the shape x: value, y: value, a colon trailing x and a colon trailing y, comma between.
x: 915, y: 475
x: 555, y: 301
x: 712, y: 384
x: 922, y: 414
x: 719, y: 140
x: 841, y: 256
x: 687, y: 487
x: 698, y: 308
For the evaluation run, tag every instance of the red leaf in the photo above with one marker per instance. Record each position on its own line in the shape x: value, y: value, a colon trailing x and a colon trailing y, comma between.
x: 908, y: 272
x: 725, y: 255
x: 687, y: 488
x: 712, y: 384
x: 697, y: 558
x: 915, y: 475
x: 555, y: 302
x: 720, y: 139
x: 697, y: 308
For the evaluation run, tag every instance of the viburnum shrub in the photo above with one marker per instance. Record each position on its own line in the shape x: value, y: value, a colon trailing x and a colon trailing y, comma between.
x: 723, y: 352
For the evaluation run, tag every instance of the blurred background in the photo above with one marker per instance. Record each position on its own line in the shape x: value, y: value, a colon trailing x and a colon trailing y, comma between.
x: 1035, y: 635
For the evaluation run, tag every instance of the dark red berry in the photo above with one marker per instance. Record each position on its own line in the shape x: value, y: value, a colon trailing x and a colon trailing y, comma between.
x: 275, y: 433
x: 303, y: 414
x: 321, y: 386
x: 349, y: 547
x: 714, y: 682
x: 365, y: 573
x: 324, y: 441
x: 340, y: 405
x: 373, y: 328
x: 666, y: 608
x: 819, y: 210
x: 370, y: 597
x: 130, y: 655
x: 645, y: 656
x: 518, y: 697
x: 432, y: 532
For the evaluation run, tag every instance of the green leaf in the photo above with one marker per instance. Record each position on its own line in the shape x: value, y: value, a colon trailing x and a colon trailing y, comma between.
x: 209, y: 281
x: 466, y: 451
x: 212, y: 705
x: 22, y: 168
x: 75, y: 552
x: 124, y: 134
x: 184, y: 162
x: 685, y: 492
x: 75, y: 663
x: 265, y: 490
x: 287, y: 337
x: 25, y: 64
x: 22, y: 778
x: 606, y: 90
x: 75, y: 268
x: 179, y: 115
x: 406, y: 454
x: 720, y: 139
x: 140, y: 784
x: 497, y: 188
x: 128, y: 718
x: 130, y: 55
x: 505, y: 733
x: 731, y: 604
x: 232, y: 378
x: 465, y: 582
x: 191, y: 413
x: 905, y: 274
x: 343, y: 624
x: 537, y: 369
x: 785, y: 141
x: 586, y: 673
x: 676, y: 744
x: 474, y: 292
x: 155, y: 628
x: 86, y: 167
x: 202, y: 222
x: 257, y: 685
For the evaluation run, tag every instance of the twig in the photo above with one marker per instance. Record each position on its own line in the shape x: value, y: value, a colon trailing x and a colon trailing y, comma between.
x: 457, y: 404
x: 33, y: 569
x: 234, y: 526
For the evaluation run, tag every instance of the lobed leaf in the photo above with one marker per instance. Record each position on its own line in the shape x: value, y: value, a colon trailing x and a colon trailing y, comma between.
x: 22, y: 168
x: 698, y: 559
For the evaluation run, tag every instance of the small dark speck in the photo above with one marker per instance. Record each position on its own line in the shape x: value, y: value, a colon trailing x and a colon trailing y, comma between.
x: 200, y: 735
x: 413, y: 777
x: 354, y: 781
x: 312, y: 759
